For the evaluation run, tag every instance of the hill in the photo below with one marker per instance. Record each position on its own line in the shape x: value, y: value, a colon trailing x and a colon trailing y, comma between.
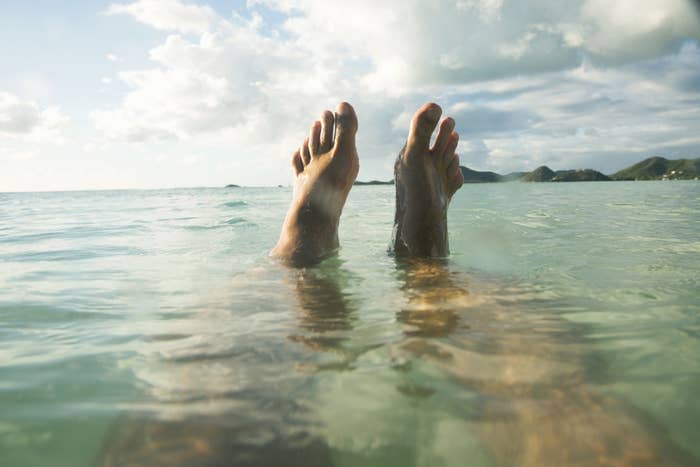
x: 474, y: 176
x: 374, y: 182
x: 584, y: 175
x: 659, y: 168
x: 513, y: 176
x: 540, y: 174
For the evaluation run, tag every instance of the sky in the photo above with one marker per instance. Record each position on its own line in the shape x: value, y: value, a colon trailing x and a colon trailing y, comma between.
x: 169, y: 93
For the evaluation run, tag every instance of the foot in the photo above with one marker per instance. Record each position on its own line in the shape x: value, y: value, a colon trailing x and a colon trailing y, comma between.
x: 325, y: 167
x: 426, y: 178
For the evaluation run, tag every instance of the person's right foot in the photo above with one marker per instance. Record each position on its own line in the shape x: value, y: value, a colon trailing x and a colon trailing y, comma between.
x: 426, y: 178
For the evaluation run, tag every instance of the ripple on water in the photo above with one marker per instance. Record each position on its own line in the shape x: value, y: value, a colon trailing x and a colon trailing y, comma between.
x: 36, y: 314
x: 202, y: 334
x: 72, y: 233
x: 236, y: 220
x: 235, y: 204
x: 72, y: 254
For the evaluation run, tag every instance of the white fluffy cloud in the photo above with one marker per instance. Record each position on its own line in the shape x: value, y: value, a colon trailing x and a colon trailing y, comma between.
x: 513, y: 72
x: 456, y: 41
x: 21, y: 119
x: 167, y: 15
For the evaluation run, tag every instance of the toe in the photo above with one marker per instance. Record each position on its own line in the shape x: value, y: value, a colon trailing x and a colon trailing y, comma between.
x: 423, y: 124
x: 315, y: 138
x: 327, y: 123
x: 297, y: 164
x: 345, y: 125
x: 305, y: 152
x: 450, y: 147
x: 446, y: 128
x: 455, y: 178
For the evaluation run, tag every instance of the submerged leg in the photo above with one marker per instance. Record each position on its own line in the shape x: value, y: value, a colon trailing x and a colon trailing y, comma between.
x: 325, y: 167
x: 537, y: 404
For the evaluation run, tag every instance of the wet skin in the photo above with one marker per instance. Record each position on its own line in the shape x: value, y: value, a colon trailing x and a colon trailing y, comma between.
x: 326, y: 165
x: 426, y: 179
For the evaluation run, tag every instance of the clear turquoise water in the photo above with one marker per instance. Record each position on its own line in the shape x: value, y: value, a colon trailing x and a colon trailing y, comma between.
x: 150, y: 328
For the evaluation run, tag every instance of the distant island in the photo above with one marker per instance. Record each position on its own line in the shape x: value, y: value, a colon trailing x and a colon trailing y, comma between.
x: 374, y: 182
x: 654, y: 168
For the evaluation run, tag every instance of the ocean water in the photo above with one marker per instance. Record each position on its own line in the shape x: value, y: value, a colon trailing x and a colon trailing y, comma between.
x: 150, y: 328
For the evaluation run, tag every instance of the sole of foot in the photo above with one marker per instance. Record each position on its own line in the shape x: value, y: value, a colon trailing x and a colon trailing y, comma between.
x: 324, y: 167
x: 426, y: 179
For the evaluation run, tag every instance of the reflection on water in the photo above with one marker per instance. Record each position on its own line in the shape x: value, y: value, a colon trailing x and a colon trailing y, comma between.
x: 326, y: 311
x: 525, y: 371
x: 536, y: 406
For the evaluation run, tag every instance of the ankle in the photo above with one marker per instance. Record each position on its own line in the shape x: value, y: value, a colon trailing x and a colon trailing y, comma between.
x: 420, y: 226
x: 308, y: 235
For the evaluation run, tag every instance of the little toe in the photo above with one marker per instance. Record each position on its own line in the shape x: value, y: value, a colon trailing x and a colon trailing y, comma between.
x: 297, y: 164
x: 315, y: 138
x: 446, y: 128
x: 327, y: 124
x: 422, y: 126
x: 305, y: 152
x: 455, y: 178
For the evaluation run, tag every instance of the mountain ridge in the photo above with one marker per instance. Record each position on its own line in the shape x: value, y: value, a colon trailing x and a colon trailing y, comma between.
x: 652, y: 168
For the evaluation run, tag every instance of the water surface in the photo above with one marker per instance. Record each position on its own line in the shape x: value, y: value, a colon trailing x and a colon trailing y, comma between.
x: 149, y: 328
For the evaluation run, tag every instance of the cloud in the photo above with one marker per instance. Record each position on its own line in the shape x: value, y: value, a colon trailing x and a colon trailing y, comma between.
x: 167, y: 15
x: 448, y: 41
x: 167, y: 104
x: 528, y: 82
x: 233, y: 80
x: 26, y: 120
x: 585, y: 117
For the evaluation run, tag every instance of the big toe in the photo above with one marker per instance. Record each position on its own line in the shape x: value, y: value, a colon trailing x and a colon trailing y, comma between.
x: 423, y: 124
x: 345, y: 125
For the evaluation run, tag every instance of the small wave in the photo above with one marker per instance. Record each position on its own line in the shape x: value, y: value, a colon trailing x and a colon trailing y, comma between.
x: 532, y: 225
x: 33, y: 313
x: 72, y: 255
x: 235, y: 220
x: 72, y: 234
x: 231, y: 221
x: 168, y: 219
x: 235, y: 204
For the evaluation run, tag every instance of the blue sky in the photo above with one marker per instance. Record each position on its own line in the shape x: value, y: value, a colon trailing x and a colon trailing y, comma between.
x: 162, y: 93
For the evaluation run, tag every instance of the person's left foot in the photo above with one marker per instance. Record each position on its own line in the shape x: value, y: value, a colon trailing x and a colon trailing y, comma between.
x: 325, y: 167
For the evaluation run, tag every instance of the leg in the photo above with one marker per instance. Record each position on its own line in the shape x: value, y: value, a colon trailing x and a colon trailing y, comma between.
x: 426, y: 178
x: 538, y: 406
x: 325, y: 167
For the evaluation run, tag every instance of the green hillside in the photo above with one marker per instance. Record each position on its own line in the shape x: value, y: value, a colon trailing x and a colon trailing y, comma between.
x: 540, y: 174
x: 659, y: 168
x: 584, y: 175
x: 474, y: 176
